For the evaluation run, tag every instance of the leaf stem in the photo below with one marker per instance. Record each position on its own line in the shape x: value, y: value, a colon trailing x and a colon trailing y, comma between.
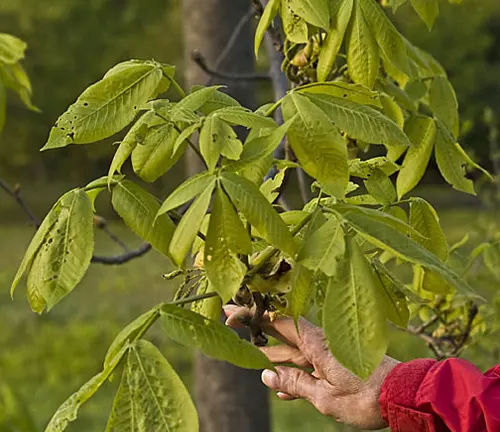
x: 176, y: 86
x: 193, y: 146
x: 194, y: 298
x: 273, y: 108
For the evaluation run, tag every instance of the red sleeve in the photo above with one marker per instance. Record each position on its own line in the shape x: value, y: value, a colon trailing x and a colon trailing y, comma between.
x: 452, y: 395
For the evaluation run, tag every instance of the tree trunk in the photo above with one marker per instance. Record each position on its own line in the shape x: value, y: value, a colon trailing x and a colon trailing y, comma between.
x: 228, y: 398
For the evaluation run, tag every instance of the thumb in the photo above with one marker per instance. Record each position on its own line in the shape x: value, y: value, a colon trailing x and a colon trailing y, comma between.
x: 292, y: 381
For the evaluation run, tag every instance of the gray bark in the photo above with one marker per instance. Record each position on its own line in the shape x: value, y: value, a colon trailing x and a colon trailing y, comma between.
x: 228, y: 398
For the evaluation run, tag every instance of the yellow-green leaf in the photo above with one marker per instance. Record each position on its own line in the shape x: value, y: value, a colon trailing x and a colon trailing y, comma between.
x: 422, y: 133
x: 353, y: 315
x: 213, y: 338
x: 270, y: 11
x: 138, y: 209
x: 428, y: 10
x: 380, y: 186
x: 151, y: 395
x: 189, y: 225
x: 341, y: 12
x: 295, y: 27
x: 318, y: 145
x: 363, y: 57
x: 444, y: 104
x: 107, y: 106
x: 226, y: 237
x: 315, y: 12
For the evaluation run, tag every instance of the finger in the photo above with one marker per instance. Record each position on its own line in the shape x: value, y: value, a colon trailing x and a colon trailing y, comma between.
x: 293, y: 382
x: 286, y: 354
x: 285, y: 397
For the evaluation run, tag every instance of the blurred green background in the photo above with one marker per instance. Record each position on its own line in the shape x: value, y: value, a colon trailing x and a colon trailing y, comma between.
x: 71, y: 44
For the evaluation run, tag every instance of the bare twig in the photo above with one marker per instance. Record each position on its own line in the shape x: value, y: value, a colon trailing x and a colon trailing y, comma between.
x: 232, y: 41
x: 202, y: 63
x: 15, y: 194
x: 123, y: 258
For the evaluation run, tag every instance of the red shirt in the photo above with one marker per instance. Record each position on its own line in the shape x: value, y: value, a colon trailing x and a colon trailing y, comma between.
x: 452, y: 395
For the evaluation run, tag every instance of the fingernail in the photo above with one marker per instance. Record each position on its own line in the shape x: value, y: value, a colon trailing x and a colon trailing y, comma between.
x: 270, y: 378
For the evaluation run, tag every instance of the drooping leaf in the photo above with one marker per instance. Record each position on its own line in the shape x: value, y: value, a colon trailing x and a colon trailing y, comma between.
x: 189, y: 189
x: 132, y: 331
x: 323, y: 248
x: 363, y: 56
x: 156, y: 156
x: 135, y: 136
x: 41, y: 236
x: 259, y: 148
x: 189, y: 225
x: 260, y: 213
x: 138, y: 209
x: 444, y: 104
x: 422, y: 133
x: 341, y: 12
x: 11, y: 48
x: 215, y: 136
x: 213, y: 338
x: 301, y: 292
x: 396, y: 4
x: 360, y: 121
x: 425, y: 220
x: 107, y: 106
x: 353, y: 315
x: 380, y: 186
x: 318, y: 145
x: 390, y: 41
x: 356, y: 93
x: 266, y: 20
x: 151, y: 395
x: 185, y: 135
x: 392, y: 110
x: 450, y: 161
x: 394, y: 241
x: 315, y: 12
x: 395, y: 304
x: 193, y: 101
x: 68, y: 411
x: 216, y: 101
x: 226, y: 237
x: 238, y: 116
x: 428, y: 10
x: 295, y: 27
x: 64, y: 256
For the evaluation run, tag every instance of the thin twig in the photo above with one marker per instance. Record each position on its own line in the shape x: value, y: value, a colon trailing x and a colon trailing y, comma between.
x: 202, y: 63
x: 232, y: 41
x: 15, y: 194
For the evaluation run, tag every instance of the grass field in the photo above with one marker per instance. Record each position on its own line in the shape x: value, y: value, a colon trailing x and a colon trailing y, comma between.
x: 45, y: 358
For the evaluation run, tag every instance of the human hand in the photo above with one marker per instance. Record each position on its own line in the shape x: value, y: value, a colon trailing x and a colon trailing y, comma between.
x: 331, y: 388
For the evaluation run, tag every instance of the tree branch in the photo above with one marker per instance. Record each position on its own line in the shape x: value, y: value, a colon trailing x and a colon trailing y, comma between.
x: 198, y: 58
x: 15, y: 194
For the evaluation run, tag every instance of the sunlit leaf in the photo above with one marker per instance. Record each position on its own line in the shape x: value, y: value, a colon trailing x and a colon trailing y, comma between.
x: 444, y: 104
x: 266, y: 20
x: 315, y: 12
x: 295, y: 27
x: 318, y: 145
x: 422, y: 133
x: 341, y: 14
x: 11, y: 48
x: 107, y: 106
x: 226, y: 237
x: 348, y: 91
x: 189, y: 189
x: 151, y: 395
x: 428, y: 10
x: 247, y: 199
x: 64, y: 256
x: 189, y: 225
x: 363, y: 56
x: 360, y: 121
x: 353, y: 315
x: 138, y: 209
x: 380, y: 186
